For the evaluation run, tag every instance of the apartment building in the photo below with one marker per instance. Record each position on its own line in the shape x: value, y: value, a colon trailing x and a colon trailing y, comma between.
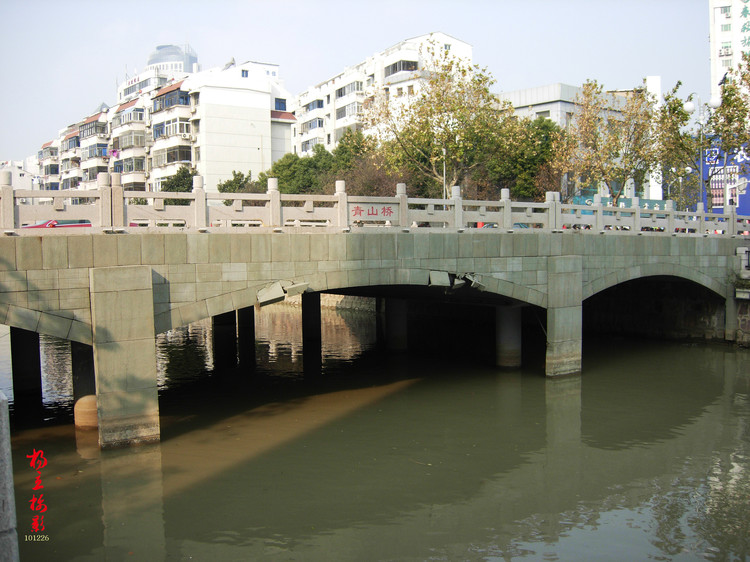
x: 173, y: 114
x: 324, y: 112
x: 729, y: 36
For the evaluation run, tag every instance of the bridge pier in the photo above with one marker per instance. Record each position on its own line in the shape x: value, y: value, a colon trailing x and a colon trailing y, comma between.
x: 224, y: 342
x: 26, y: 365
x: 123, y: 333
x: 564, y: 315
x: 312, y: 344
x: 508, y: 336
x: 396, y: 332
x: 246, y: 337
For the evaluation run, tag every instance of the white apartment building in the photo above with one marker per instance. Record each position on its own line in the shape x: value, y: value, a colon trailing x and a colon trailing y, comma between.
x: 324, y: 112
x: 215, y: 121
x: 729, y: 37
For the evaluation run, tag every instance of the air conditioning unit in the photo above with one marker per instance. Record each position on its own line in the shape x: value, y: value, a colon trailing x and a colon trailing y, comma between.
x: 193, y: 138
x: 185, y: 136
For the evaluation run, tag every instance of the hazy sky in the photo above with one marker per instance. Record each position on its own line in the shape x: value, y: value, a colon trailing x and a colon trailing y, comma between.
x: 62, y: 59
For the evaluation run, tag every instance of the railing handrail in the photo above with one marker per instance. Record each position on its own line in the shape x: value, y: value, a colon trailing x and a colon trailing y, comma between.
x: 110, y: 206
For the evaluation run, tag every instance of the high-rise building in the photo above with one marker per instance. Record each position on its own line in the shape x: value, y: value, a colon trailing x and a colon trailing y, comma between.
x: 324, y: 112
x: 729, y: 37
x: 172, y: 114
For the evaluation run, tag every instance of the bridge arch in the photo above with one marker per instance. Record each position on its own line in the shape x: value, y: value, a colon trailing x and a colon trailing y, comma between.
x: 642, y: 271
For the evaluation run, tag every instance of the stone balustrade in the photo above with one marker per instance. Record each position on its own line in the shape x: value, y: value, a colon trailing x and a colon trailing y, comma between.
x: 110, y: 207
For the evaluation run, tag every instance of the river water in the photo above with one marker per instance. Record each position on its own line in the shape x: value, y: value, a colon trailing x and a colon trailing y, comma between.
x: 646, y: 456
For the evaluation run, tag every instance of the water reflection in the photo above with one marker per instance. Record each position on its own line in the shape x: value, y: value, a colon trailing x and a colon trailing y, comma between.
x: 413, y: 457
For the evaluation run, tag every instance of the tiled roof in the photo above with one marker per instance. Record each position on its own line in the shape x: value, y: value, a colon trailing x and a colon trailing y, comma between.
x: 46, y: 144
x: 126, y: 105
x: 71, y: 135
x: 167, y: 89
x: 92, y: 118
x: 285, y: 115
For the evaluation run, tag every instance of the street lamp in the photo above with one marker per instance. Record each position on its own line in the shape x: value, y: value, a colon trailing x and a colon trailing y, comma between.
x: 702, y: 118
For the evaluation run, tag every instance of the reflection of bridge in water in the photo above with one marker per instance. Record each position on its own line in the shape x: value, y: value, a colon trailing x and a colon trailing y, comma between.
x: 556, y: 460
x: 111, y: 290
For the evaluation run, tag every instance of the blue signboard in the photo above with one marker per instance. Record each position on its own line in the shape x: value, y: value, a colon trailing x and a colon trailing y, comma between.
x: 727, y: 181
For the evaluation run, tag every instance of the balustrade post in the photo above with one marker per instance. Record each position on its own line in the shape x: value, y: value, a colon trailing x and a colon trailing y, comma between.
x: 118, y: 200
x: 458, y: 207
x: 507, y: 208
x: 731, y: 218
x: 598, y: 213
x: 403, y: 205
x: 274, y: 202
x: 636, y: 206
x: 700, y: 211
x: 669, y: 207
x: 342, y: 205
x: 554, y: 209
x: 7, y: 203
x: 201, y: 221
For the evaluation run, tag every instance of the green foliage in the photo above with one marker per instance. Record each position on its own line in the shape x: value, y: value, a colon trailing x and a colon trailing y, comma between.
x: 444, y: 131
x: 181, y: 182
x: 611, y: 139
x: 684, y: 137
x: 519, y: 158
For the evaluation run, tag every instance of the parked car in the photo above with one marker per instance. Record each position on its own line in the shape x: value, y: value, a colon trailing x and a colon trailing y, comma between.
x: 53, y: 223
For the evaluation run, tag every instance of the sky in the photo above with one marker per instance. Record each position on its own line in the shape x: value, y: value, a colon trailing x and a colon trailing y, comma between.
x: 63, y: 58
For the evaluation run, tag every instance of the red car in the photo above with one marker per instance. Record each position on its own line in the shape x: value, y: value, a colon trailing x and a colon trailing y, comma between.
x: 58, y: 224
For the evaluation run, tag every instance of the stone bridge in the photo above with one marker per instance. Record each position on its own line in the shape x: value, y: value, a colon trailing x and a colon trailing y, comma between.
x: 111, y: 291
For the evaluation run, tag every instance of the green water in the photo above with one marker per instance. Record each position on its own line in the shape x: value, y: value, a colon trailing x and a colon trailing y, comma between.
x: 406, y: 457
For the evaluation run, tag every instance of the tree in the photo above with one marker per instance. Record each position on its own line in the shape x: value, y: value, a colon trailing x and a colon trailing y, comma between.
x: 300, y: 174
x: 522, y: 153
x: 181, y: 182
x: 452, y: 120
x: 611, y: 140
x: 718, y: 136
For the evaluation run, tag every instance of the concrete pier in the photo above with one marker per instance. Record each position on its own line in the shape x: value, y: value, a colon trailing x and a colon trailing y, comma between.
x: 8, y: 522
x: 224, y: 328
x: 26, y: 365
x: 508, y: 336
x: 311, y: 333
x: 122, y: 317
x: 246, y: 337
x: 564, y: 315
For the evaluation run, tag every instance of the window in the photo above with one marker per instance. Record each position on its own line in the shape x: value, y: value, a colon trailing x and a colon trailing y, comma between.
x: 312, y: 124
x: 245, y: 74
x: 349, y: 110
x: 348, y: 89
x: 176, y: 126
x: 726, y: 27
x: 90, y: 174
x: 94, y: 151
x: 129, y: 140
x: 158, y: 130
x: 93, y: 128
x: 135, y: 115
x: 171, y: 99
x: 315, y: 104
x: 280, y: 104
x: 726, y: 63
x: 308, y: 144
x: 726, y: 10
x: 410, y: 89
x: 71, y: 143
x: 171, y: 155
x: 399, y: 92
x: 51, y: 170
x: 400, y: 66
